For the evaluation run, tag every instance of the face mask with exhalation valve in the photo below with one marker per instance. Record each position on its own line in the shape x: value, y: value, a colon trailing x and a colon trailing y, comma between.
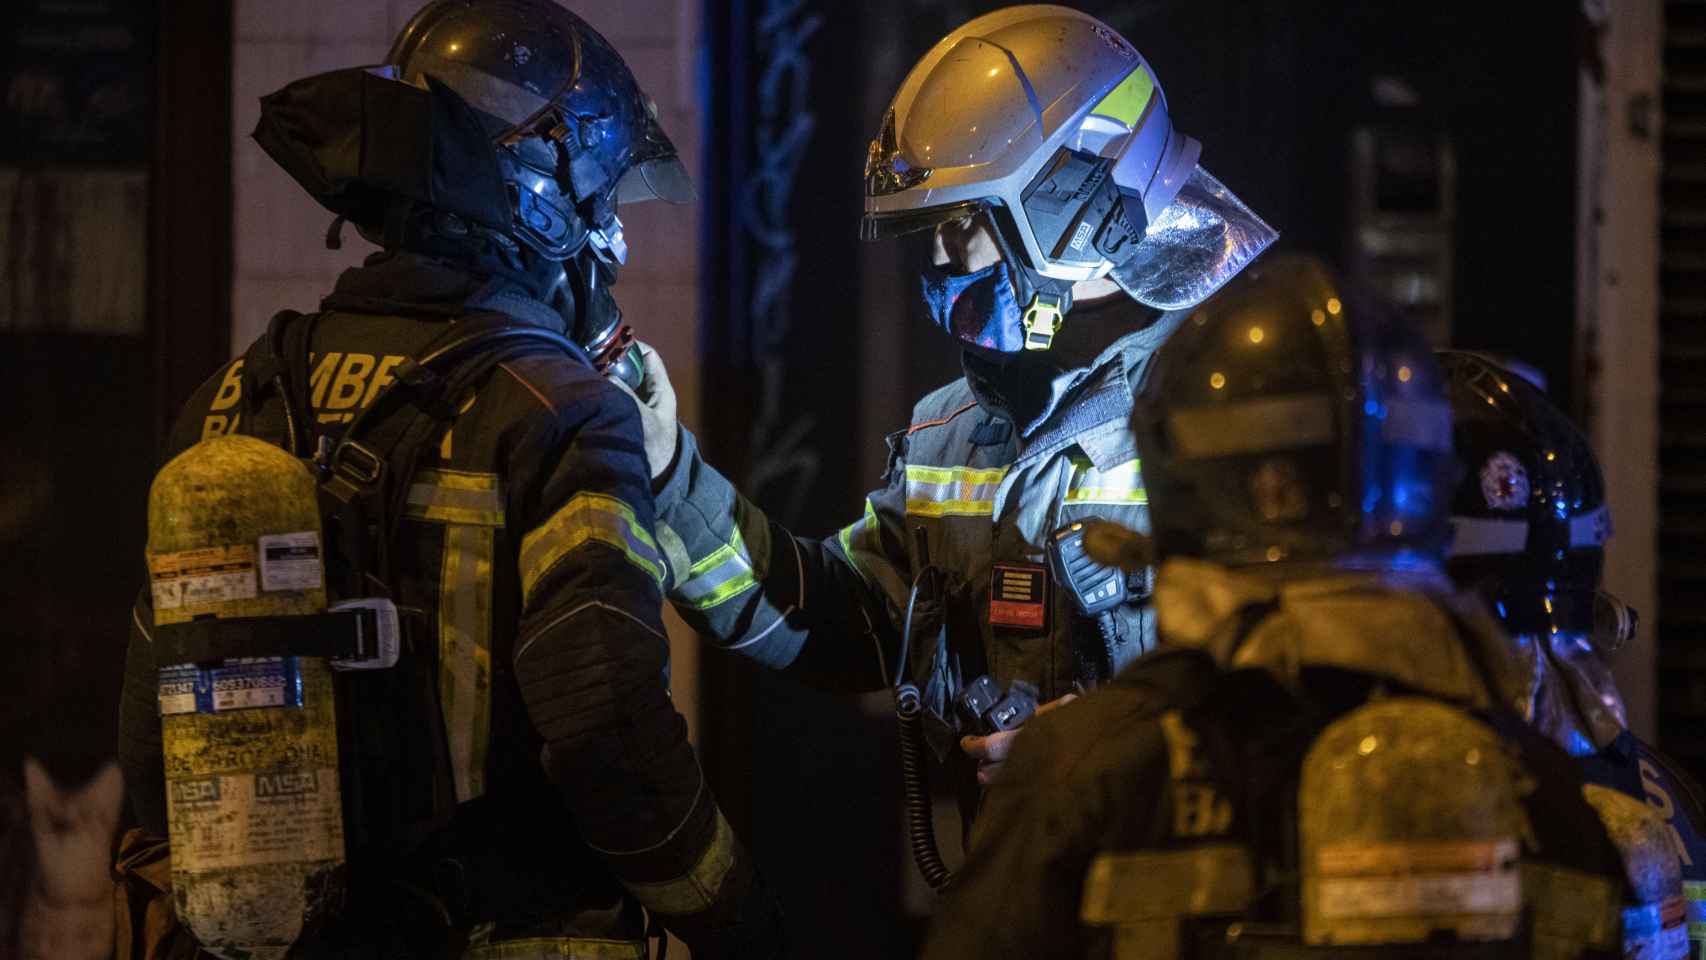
x: 520, y: 160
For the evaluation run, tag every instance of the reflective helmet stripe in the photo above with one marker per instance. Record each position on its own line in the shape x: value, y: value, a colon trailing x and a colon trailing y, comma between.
x: 1130, y: 101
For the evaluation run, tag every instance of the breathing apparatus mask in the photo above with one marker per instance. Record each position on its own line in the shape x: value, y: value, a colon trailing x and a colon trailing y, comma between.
x: 457, y: 147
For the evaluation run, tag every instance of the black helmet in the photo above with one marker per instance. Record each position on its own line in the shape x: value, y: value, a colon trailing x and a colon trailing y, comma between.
x: 513, y: 116
x: 1286, y: 424
x: 1529, y: 519
x: 577, y: 133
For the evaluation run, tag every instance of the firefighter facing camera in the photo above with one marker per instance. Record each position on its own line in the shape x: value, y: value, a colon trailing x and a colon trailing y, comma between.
x: 1072, y: 226
x: 399, y: 686
x: 1319, y: 759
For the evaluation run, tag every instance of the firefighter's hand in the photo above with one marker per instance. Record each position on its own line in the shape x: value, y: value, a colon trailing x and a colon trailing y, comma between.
x: 991, y: 752
x: 656, y: 400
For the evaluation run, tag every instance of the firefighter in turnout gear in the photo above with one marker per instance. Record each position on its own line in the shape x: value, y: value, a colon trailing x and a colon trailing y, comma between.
x: 1530, y: 523
x: 518, y: 784
x: 1319, y: 758
x: 1068, y: 238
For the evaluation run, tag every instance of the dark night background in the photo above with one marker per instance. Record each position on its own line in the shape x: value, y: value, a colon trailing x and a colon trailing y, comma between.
x: 1452, y: 126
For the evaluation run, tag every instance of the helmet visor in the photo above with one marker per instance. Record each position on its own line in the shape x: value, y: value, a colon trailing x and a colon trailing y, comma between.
x: 899, y: 223
x: 1194, y: 247
x: 656, y: 171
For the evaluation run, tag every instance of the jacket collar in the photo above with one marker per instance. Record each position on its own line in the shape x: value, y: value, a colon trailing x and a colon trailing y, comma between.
x: 1090, y: 405
x: 1412, y: 628
x: 399, y: 281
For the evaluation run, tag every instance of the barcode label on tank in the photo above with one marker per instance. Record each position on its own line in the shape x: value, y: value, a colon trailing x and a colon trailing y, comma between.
x: 258, y: 682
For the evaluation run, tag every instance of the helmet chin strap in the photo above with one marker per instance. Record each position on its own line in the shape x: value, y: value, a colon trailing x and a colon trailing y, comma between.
x: 1043, y: 301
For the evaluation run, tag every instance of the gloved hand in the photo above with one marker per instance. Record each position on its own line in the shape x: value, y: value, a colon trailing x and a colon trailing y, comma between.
x: 656, y: 400
x: 991, y: 752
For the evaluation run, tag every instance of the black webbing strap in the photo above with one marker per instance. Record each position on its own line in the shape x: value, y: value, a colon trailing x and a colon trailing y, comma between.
x: 345, y: 635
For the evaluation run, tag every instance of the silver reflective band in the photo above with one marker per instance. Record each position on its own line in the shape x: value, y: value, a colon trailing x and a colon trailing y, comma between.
x: 698, y: 888
x: 952, y: 491
x: 1482, y: 536
x: 455, y: 496
x: 1279, y: 423
x: 1124, y: 887
x: 720, y: 575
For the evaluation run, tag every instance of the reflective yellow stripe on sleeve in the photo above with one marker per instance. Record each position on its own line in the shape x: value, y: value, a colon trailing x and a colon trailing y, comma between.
x: 1120, y: 485
x: 723, y: 573
x: 696, y: 889
x: 859, y: 541
x: 951, y: 491
x: 586, y: 518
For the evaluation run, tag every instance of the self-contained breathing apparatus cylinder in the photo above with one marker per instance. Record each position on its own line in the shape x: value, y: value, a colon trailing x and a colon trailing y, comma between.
x: 1409, y: 826
x: 250, y: 741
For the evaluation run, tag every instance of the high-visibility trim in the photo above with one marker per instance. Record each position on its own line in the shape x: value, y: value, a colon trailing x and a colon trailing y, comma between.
x: 465, y: 652
x: 1694, y: 892
x: 588, y: 517
x: 862, y: 544
x: 1119, y: 485
x: 696, y: 889
x: 557, y: 948
x: 455, y: 496
x: 1253, y: 426
x: 1124, y: 887
x: 952, y: 491
x: 723, y: 573
x: 860, y: 538
x: 1128, y: 102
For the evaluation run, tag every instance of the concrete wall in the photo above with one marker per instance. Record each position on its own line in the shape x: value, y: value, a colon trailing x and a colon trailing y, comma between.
x: 281, y: 260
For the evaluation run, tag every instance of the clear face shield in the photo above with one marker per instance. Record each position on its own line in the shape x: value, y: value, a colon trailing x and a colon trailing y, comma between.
x: 1195, y: 246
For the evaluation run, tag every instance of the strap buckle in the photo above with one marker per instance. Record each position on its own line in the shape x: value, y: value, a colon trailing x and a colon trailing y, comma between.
x: 357, y: 465
x: 1041, y: 321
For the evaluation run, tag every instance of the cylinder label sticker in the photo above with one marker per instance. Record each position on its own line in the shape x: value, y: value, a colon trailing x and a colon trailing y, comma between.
x: 241, y: 683
x: 291, y: 561
x: 178, y: 689
x: 290, y: 815
x: 207, y: 576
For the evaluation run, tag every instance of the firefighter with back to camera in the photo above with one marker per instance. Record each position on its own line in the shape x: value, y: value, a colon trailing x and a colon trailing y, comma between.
x: 1072, y: 226
x: 1319, y: 760
x: 1529, y: 526
x: 399, y: 686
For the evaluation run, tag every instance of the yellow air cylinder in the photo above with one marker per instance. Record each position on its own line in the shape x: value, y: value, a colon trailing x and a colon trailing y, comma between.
x: 251, y: 751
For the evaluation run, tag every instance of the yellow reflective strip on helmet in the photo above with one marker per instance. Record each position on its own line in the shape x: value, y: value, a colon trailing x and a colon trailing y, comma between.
x: 1121, y: 485
x: 696, y: 889
x: 719, y: 575
x: 455, y: 496
x: 588, y: 517
x: 557, y: 948
x: 465, y: 652
x: 952, y: 491
x: 1127, y: 101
